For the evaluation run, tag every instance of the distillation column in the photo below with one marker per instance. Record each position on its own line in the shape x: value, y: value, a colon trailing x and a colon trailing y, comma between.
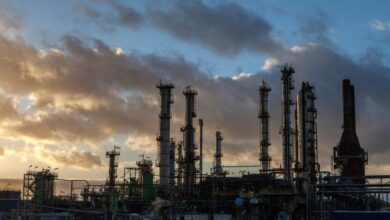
x: 164, y: 137
x: 264, y: 158
x: 306, y: 164
x: 350, y: 159
x: 200, y: 150
x: 180, y: 162
x: 189, y: 143
x: 218, y: 154
x: 113, y: 166
x: 286, y: 130
x: 306, y: 156
x: 172, y: 162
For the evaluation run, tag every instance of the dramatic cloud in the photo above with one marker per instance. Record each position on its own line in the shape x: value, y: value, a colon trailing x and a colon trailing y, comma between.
x: 84, y: 94
x: 226, y: 29
x: 120, y: 16
x: 73, y: 158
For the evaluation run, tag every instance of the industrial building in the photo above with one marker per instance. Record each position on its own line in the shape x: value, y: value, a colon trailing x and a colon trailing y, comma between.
x: 297, y: 190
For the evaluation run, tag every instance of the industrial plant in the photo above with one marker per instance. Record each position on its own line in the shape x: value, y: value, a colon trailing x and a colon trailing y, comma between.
x: 180, y: 188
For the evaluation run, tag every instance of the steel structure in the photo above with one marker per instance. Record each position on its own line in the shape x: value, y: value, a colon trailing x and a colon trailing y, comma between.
x: 113, y: 166
x: 306, y: 156
x: 286, y: 130
x: 39, y: 186
x: 180, y: 163
x: 189, y: 143
x: 349, y: 158
x: 218, y: 170
x: 306, y: 162
x: 264, y: 116
x: 172, y: 153
x: 270, y: 194
x: 201, y: 149
x: 164, y: 137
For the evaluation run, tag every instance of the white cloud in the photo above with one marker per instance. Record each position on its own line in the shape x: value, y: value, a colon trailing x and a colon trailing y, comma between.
x: 269, y: 63
x: 118, y: 51
x: 380, y: 25
x: 299, y: 49
x: 242, y: 75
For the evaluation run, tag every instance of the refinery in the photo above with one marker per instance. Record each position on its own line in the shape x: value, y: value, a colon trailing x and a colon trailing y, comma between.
x: 180, y: 188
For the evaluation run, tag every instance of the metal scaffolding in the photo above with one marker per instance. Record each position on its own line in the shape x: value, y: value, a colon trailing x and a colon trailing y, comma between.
x: 113, y: 166
x: 264, y: 157
x: 200, y: 149
x: 218, y: 170
x: 189, y: 143
x: 286, y: 130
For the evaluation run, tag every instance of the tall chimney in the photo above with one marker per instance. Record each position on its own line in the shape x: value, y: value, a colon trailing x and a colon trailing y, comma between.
x: 350, y: 159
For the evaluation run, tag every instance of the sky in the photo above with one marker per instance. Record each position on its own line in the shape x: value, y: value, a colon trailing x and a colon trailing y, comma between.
x: 78, y: 77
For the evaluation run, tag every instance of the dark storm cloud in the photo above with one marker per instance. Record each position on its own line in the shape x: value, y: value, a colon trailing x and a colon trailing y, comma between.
x: 316, y: 28
x: 227, y: 28
x: 108, y: 21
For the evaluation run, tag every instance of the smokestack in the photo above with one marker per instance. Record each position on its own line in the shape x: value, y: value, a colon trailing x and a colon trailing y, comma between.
x: 218, y: 154
x: 164, y: 137
x: 264, y: 158
x: 350, y: 159
x: 201, y: 149
x: 189, y: 143
x: 286, y: 130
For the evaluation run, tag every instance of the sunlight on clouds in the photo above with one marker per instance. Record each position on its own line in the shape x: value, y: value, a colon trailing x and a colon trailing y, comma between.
x: 74, y: 158
x: 118, y: 51
x: 142, y: 143
x: 51, y: 52
x: 242, y: 75
x: 299, y: 49
x: 37, y: 73
x: 269, y: 63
